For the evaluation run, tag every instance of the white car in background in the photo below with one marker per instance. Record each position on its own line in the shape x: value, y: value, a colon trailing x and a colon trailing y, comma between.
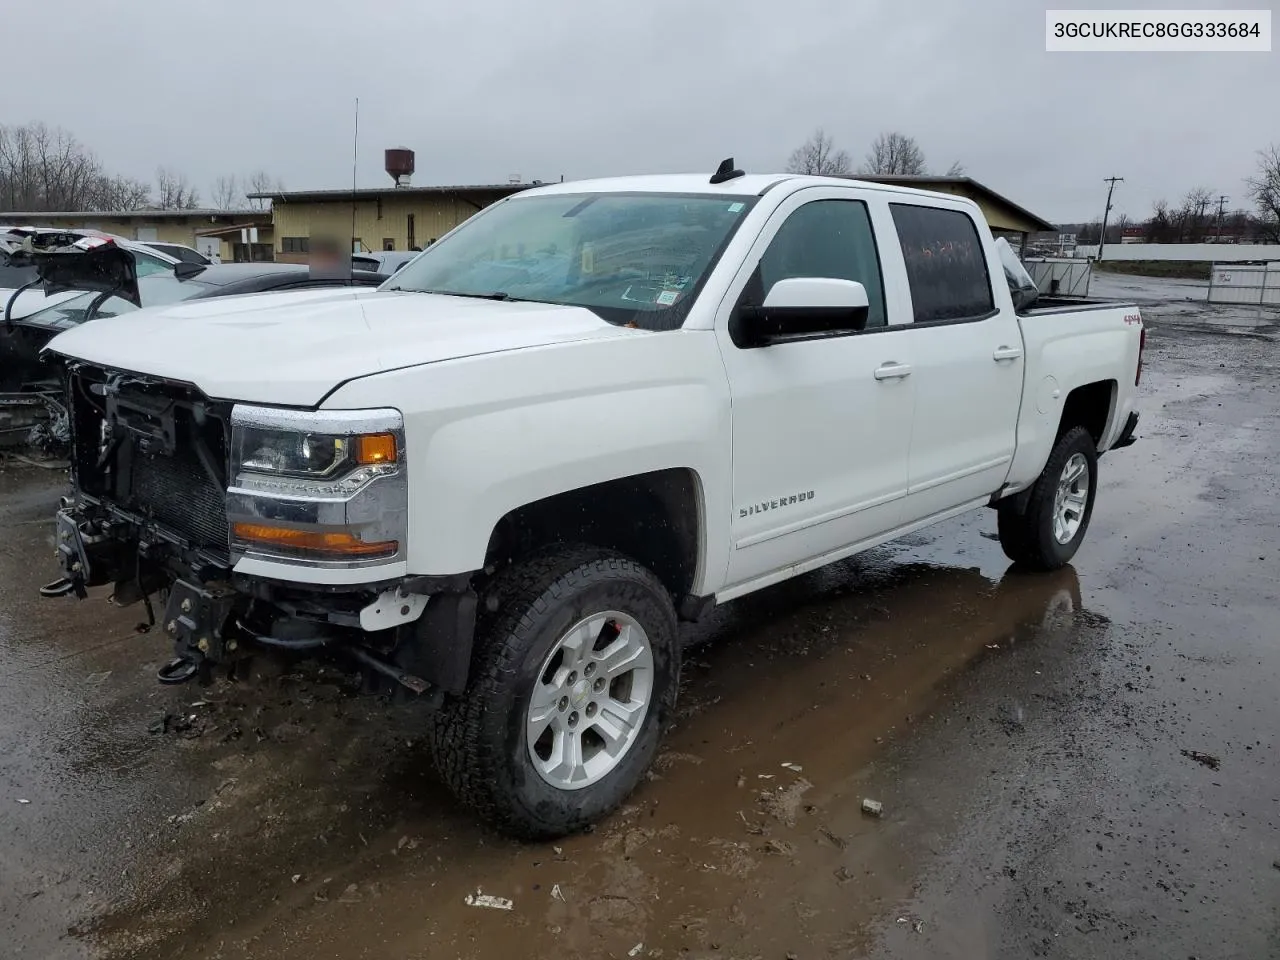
x: 178, y: 251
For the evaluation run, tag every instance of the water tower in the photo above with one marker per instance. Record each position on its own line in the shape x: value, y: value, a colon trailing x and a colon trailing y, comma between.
x: 399, y: 163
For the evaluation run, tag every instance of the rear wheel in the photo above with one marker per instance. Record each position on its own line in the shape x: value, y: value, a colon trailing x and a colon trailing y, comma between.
x: 1046, y: 533
x: 574, y: 678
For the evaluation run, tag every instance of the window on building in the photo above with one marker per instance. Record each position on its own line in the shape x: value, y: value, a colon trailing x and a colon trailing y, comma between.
x: 824, y: 238
x: 253, y: 252
x: 412, y: 241
x: 388, y: 243
x: 295, y: 244
x: 946, y: 269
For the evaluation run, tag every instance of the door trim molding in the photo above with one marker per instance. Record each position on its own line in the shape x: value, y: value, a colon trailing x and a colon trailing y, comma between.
x: 959, y: 474
x: 794, y: 570
x: 797, y: 525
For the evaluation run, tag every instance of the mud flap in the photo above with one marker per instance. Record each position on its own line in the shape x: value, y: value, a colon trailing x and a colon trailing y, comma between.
x: 437, y: 646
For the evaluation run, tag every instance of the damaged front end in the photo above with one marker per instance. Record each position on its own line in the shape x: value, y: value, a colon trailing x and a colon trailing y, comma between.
x: 254, y: 529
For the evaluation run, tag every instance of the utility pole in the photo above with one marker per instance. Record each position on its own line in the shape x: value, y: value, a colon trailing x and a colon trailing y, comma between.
x: 1102, y: 237
x: 1222, y: 212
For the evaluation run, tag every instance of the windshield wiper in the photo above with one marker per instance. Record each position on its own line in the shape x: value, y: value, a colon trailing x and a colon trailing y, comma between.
x: 496, y: 295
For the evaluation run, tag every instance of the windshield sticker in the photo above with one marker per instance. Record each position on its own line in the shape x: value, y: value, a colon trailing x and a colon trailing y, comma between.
x: 588, y: 258
x: 736, y: 207
x: 639, y: 294
x: 667, y: 297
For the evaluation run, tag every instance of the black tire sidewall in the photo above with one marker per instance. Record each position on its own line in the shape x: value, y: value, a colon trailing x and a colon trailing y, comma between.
x: 1074, y: 441
x: 544, y: 807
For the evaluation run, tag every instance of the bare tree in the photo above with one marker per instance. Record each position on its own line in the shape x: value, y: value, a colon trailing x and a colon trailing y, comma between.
x: 44, y: 168
x: 1158, y: 228
x: 818, y: 156
x: 123, y: 193
x: 894, y: 153
x: 1115, y: 231
x: 1264, y: 191
x: 1195, y: 220
x: 174, y: 192
x: 957, y: 170
x: 260, y: 181
x: 226, y: 193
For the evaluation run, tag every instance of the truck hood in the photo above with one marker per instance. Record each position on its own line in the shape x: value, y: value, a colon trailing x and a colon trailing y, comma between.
x: 294, y: 348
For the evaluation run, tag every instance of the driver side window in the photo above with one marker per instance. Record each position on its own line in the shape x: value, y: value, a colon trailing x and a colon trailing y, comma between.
x: 825, y: 238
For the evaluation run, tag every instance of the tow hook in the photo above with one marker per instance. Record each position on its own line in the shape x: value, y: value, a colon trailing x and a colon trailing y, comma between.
x: 197, y: 618
x: 62, y: 587
x: 178, y: 670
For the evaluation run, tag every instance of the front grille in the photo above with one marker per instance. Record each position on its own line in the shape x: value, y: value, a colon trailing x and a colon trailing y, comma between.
x: 178, y: 493
x: 174, y: 491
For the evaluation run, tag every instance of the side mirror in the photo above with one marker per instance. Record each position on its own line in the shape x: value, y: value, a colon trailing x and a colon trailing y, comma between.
x: 803, y: 308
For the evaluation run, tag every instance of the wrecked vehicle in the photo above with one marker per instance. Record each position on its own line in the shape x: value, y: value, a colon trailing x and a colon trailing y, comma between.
x: 22, y: 370
x: 590, y: 411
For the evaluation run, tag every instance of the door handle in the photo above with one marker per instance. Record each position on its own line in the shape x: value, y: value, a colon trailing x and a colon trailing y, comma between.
x: 1006, y: 353
x: 892, y: 371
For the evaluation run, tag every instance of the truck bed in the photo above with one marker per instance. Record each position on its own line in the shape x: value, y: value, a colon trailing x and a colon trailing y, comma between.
x: 1045, y: 305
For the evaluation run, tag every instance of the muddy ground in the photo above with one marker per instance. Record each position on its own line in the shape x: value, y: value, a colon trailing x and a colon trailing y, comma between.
x: 1076, y: 765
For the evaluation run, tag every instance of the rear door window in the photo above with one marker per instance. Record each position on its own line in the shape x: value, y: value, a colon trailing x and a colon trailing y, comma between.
x: 946, y: 268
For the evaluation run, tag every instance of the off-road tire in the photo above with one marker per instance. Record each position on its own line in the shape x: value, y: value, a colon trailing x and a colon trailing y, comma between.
x: 1027, y: 534
x: 478, y: 740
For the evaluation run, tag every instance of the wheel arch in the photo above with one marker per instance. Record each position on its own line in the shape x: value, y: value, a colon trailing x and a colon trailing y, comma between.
x: 656, y: 518
x: 1092, y: 406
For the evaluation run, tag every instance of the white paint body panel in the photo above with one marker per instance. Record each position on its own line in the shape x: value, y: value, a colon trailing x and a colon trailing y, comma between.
x: 508, y: 403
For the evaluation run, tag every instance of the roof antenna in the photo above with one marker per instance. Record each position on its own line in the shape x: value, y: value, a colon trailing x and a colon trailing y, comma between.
x: 726, y: 172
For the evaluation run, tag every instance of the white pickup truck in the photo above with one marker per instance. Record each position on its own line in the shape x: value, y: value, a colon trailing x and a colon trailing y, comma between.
x: 499, y: 480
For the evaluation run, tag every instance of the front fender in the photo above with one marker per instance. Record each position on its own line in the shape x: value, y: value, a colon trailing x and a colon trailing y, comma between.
x: 486, y: 435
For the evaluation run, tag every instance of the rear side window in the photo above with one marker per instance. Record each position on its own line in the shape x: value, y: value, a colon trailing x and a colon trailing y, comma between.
x: 946, y: 268
x: 831, y: 239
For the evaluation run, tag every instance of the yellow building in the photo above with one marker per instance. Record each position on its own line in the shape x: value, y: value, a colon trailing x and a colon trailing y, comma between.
x: 1006, y: 218
x: 402, y: 218
x: 394, y: 218
x: 205, y: 230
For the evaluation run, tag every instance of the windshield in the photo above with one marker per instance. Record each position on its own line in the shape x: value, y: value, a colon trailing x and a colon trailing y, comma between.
x: 628, y: 257
x: 156, y: 290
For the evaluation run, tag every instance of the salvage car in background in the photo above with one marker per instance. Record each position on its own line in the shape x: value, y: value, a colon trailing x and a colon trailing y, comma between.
x: 16, y: 303
x: 22, y: 340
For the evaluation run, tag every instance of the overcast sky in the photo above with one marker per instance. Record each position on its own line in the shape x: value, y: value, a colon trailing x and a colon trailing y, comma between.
x: 489, y: 88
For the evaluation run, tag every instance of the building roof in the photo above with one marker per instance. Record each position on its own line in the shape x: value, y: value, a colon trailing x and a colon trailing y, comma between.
x: 7, y: 217
x: 749, y: 184
x: 925, y: 182
x: 377, y: 193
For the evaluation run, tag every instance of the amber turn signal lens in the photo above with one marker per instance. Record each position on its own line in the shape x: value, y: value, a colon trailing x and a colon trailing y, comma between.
x: 375, y: 448
x: 337, y: 544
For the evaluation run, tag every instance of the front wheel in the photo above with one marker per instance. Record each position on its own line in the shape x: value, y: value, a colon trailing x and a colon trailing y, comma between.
x: 1048, y: 531
x: 574, y: 677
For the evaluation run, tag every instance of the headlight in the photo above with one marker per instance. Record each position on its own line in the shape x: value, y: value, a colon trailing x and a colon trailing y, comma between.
x: 311, y: 456
x: 326, y: 488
